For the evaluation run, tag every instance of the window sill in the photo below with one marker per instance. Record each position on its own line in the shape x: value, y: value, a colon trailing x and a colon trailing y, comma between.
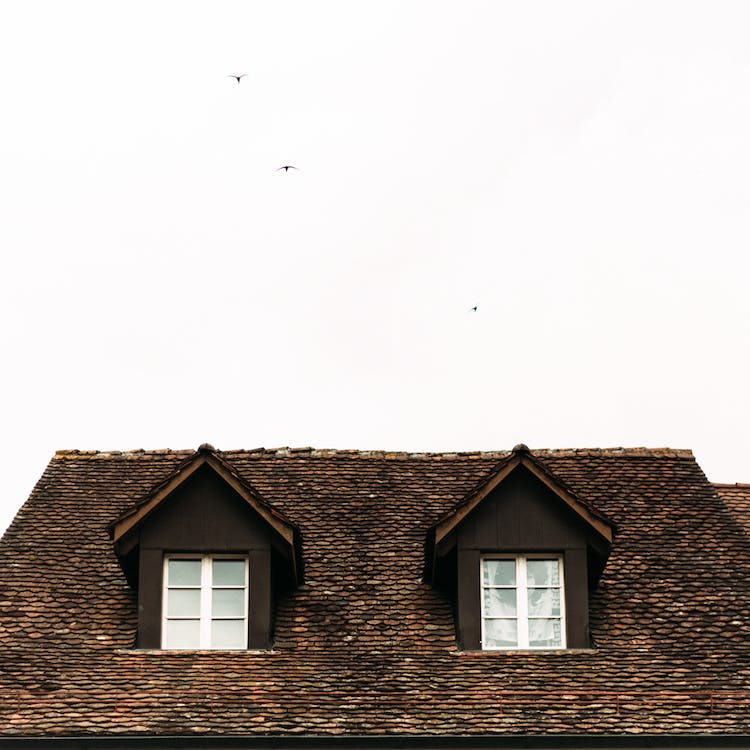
x: 197, y: 651
x: 552, y: 652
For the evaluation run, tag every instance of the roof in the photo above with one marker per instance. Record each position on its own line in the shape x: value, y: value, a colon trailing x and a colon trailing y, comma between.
x: 366, y: 647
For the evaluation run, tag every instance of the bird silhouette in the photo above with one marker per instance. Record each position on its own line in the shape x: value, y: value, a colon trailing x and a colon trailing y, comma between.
x: 237, y: 78
x: 473, y: 309
x: 286, y: 168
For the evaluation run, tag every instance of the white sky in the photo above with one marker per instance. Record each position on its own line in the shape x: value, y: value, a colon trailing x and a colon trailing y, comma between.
x: 580, y: 171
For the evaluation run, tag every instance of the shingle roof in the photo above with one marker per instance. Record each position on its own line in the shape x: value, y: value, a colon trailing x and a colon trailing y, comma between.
x: 737, y: 499
x: 365, y: 646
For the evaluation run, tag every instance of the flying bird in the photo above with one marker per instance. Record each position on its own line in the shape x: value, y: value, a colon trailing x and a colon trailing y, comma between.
x: 473, y: 309
x: 286, y: 168
x: 237, y: 78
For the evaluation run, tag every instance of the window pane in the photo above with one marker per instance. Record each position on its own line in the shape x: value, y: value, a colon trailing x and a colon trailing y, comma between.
x: 183, y: 633
x: 184, y: 573
x: 184, y: 603
x: 500, y: 602
x: 229, y: 573
x: 544, y: 602
x: 545, y: 633
x: 500, y: 633
x: 228, y: 603
x: 499, y: 572
x: 227, y: 634
x: 542, y: 573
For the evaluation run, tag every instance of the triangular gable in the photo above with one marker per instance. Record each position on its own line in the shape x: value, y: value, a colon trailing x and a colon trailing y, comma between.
x: 206, y: 455
x: 521, y: 456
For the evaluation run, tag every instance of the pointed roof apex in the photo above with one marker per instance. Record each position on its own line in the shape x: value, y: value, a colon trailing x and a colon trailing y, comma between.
x: 206, y: 455
x: 522, y: 456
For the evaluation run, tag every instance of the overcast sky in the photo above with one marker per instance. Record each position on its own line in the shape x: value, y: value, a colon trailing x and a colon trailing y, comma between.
x: 577, y: 171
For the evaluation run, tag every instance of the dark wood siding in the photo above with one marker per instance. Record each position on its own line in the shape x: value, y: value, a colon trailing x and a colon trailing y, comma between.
x: 205, y: 515
x: 522, y: 515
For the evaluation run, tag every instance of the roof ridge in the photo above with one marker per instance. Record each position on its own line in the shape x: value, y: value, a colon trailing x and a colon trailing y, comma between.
x: 77, y: 453
x: 361, y: 453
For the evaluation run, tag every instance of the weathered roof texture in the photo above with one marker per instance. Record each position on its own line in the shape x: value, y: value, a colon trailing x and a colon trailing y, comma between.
x: 737, y: 499
x: 365, y: 646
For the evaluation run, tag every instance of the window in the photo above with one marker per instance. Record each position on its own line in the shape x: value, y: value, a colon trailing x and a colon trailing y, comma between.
x: 204, y: 602
x: 522, y: 602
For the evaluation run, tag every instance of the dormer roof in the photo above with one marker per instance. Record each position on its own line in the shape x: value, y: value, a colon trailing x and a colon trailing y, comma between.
x: 123, y: 529
x: 522, y: 456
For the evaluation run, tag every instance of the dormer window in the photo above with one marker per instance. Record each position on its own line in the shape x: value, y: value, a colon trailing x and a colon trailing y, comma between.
x: 208, y: 558
x: 205, y: 602
x: 519, y: 557
x: 523, y: 602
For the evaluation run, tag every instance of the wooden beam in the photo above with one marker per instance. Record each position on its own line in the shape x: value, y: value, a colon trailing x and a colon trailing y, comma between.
x: 124, y: 525
x: 447, y: 525
x: 267, y: 514
x: 572, y: 502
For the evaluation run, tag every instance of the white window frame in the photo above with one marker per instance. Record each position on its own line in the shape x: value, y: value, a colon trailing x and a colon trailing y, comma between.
x: 522, y: 614
x: 206, y: 587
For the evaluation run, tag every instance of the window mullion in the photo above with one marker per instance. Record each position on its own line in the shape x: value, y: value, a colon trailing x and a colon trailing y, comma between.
x: 522, y: 603
x: 205, y: 625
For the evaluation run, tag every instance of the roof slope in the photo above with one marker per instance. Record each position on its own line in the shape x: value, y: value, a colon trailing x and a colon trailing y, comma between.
x: 737, y: 499
x: 365, y: 646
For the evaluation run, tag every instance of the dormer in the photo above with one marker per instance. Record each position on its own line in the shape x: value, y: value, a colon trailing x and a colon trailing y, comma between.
x: 208, y: 558
x: 519, y: 556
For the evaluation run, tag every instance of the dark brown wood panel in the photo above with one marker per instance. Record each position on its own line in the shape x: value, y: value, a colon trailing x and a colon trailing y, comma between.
x: 149, y: 599
x: 205, y: 514
x: 468, y: 603
x: 260, y: 596
x: 576, y: 598
x: 521, y: 514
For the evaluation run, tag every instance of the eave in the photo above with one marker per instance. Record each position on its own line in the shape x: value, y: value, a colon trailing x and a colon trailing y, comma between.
x: 387, y: 742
